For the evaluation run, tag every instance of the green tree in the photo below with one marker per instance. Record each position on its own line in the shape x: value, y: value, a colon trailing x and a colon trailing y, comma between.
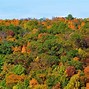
x: 5, y: 47
x: 18, y: 69
x: 1, y: 62
x: 76, y: 64
x: 69, y: 17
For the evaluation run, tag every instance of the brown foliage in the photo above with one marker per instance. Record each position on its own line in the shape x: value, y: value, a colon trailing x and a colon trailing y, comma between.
x: 87, y: 61
x: 10, y: 33
x: 87, y: 40
x: 0, y: 39
x: 57, y: 86
x: 70, y: 71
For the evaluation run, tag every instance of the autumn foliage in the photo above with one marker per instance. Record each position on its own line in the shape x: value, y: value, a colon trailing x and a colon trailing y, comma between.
x: 44, y: 53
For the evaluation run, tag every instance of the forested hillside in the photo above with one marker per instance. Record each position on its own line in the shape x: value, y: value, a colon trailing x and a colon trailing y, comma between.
x: 44, y: 53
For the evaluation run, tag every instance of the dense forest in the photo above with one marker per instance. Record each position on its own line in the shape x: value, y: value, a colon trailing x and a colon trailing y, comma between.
x: 44, y: 53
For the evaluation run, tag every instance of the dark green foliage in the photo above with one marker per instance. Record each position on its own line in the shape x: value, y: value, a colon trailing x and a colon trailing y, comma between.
x: 20, y: 59
x: 30, y: 25
x: 76, y: 64
x: 69, y: 17
x: 51, y: 81
x: 72, y: 53
x: 26, y: 83
x: 64, y: 59
x: 59, y: 27
x: 76, y: 35
x: 50, y: 60
x: 1, y: 62
x: 5, y: 48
